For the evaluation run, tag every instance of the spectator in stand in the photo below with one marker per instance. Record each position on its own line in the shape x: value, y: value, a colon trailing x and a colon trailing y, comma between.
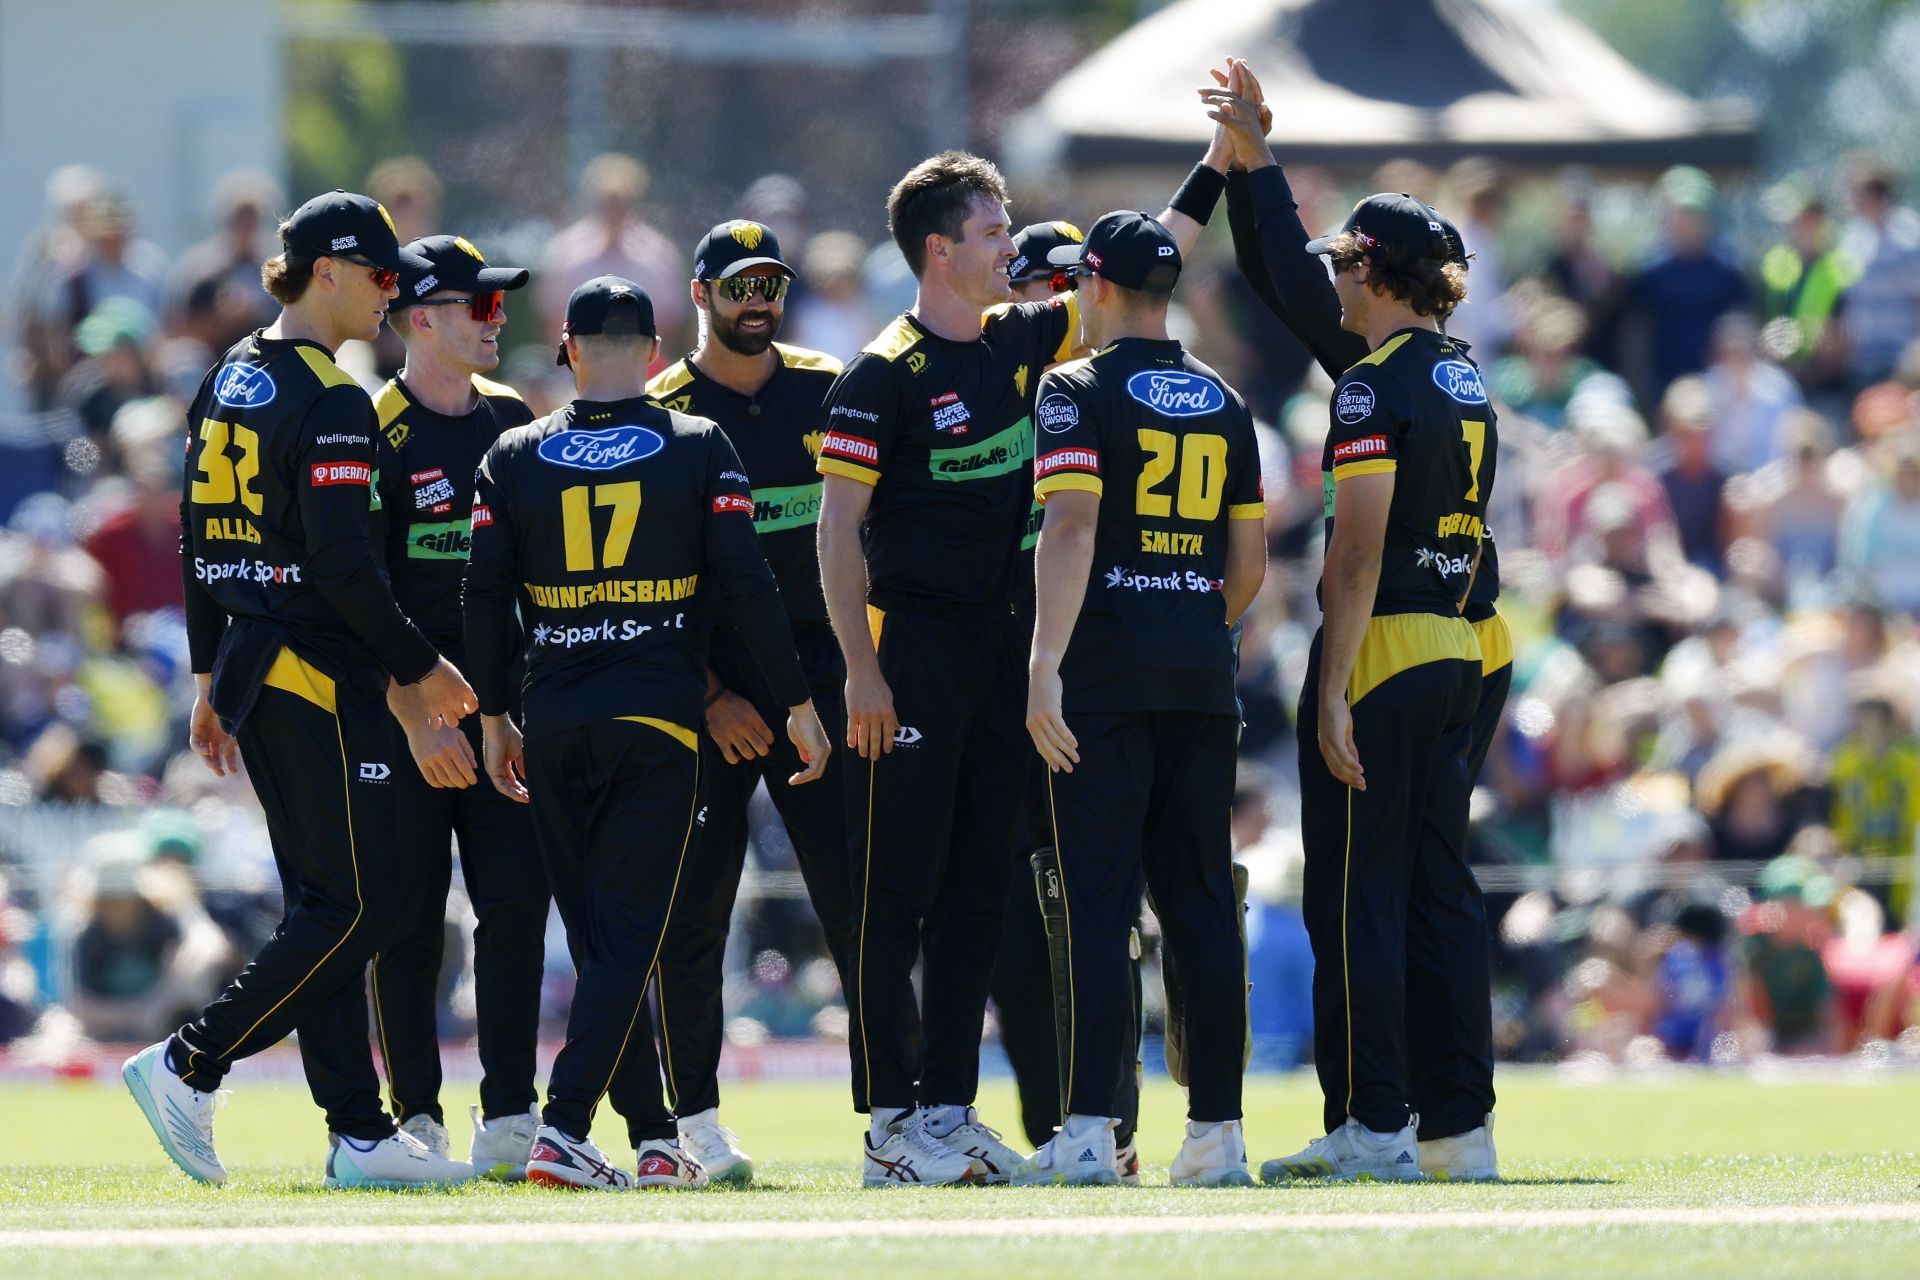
x: 117, y: 341
x: 111, y: 263
x: 1882, y: 309
x: 140, y: 967
x: 1785, y: 981
x: 137, y: 544
x: 1546, y: 369
x: 1751, y: 398
x: 1750, y: 793
x: 1693, y: 481
x: 1794, y: 504
x: 411, y: 192
x: 1802, y: 280
x: 1611, y: 436
x: 1477, y: 199
x: 612, y: 239
x: 50, y: 254
x: 1691, y: 983
x: 1582, y: 274
x: 832, y: 316
x: 1876, y: 791
x: 220, y: 276
x: 1880, y: 533
x: 1690, y: 284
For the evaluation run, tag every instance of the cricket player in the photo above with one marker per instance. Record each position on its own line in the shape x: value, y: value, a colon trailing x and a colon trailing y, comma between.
x: 621, y: 529
x: 294, y: 637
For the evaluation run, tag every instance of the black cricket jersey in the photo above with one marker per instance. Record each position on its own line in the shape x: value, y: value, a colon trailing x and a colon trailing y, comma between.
x: 423, y: 496
x: 275, y: 521
x: 1270, y: 246
x: 1417, y: 407
x: 622, y: 529
x: 1170, y: 449
x: 777, y: 433
x: 943, y: 432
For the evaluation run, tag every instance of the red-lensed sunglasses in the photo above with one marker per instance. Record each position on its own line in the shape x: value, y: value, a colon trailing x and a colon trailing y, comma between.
x: 384, y: 278
x: 485, y: 308
x: 1065, y: 280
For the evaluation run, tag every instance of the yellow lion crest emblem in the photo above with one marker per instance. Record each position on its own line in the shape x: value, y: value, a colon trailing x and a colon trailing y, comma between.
x: 748, y: 234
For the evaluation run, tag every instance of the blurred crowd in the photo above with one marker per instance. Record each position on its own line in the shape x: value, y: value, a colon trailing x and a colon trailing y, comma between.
x: 1697, y: 826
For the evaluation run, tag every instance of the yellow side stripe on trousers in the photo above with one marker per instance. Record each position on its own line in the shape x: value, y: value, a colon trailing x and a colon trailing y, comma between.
x: 1496, y: 643
x: 353, y: 856
x: 1397, y: 642
x: 1346, y: 969
x: 653, y: 964
x: 1066, y: 915
x: 860, y: 972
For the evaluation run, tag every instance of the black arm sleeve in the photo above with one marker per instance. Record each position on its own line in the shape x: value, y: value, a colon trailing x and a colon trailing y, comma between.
x: 340, y: 554
x: 1270, y: 244
x: 748, y: 595
x: 487, y: 593
x: 206, y: 620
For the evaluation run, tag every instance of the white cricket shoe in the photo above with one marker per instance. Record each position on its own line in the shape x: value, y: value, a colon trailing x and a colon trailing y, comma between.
x: 1127, y: 1160
x: 430, y: 1133
x: 559, y: 1161
x: 715, y: 1148
x: 181, y: 1116
x: 912, y: 1157
x: 1352, y: 1153
x: 1466, y: 1157
x: 392, y: 1164
x: 501, y: 1145
x: 1080, y: 1154
x: 665, y: 1162
x: 1213, y: 1155
x: 993, y: 1160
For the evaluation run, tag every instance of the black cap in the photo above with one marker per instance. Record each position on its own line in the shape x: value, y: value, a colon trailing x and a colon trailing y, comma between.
x: 1033, y: 244
x: 1395, y: 228
x: 453, y: 263
x: 1456, y: 245
x: 606, y: 304
x: 343, y: 224
x: 732, y: 247
x: 1127, y: 247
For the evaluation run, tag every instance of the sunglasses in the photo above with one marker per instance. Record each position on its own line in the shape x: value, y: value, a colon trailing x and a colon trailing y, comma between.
x: 740, y: 288
x: 384, y: 278
x: 485, y: 308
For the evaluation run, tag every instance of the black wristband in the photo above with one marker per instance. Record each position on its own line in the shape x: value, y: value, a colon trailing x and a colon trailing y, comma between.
x: 1199, y: 194
x: 715, y: 696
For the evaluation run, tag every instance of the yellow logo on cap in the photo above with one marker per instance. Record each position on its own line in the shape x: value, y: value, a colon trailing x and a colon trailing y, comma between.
x: 1070, y: 231
x: 466, y: 246
x: 747, y: 234
x: 388, y: 219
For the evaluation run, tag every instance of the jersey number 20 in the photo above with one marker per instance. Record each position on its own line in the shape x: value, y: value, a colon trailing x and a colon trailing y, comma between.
x: 1202, y: 463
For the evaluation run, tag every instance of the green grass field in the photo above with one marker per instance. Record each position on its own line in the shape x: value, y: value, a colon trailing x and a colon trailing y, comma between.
x: 1696, y: 1176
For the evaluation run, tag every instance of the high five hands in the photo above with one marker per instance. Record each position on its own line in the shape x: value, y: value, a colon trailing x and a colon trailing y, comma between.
x: 1235, y: 102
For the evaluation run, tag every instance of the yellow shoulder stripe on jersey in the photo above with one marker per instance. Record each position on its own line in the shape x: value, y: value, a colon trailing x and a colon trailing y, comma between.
x: 301, y: 678
x: 894, y: 341
x: 1247, y: 511
x: 1386, y: 349
x: 1066, y: 480
x: 389, y: 403
x: 669, y: 380
x: 1401, y: 641
x: 498, y: 390
x: 1071, y: 339
x: 1364, y: 467
x: 679, y: 733
x: 329, y: 373
x: 804, y: 358
x: 1075, y: 365
x: 1496, y: 643
x: 851, y: 470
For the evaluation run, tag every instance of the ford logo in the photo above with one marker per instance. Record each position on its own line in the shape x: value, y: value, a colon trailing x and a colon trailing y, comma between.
x: 1176, y: 395
x: 243, y: 386
x: 601, y: 450
x: 1461, y: 381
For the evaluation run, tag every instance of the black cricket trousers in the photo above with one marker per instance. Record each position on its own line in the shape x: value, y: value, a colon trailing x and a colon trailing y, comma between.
x: 322, y: 754
x: 1401, y: 983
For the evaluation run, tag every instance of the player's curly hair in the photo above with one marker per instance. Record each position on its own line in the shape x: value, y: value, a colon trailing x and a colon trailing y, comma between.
x: 1431, y: 286
x: 935, y: 197
x: 285, y: 276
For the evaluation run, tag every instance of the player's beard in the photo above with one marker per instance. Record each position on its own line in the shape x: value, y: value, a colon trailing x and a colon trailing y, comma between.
x: 727, y: 332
